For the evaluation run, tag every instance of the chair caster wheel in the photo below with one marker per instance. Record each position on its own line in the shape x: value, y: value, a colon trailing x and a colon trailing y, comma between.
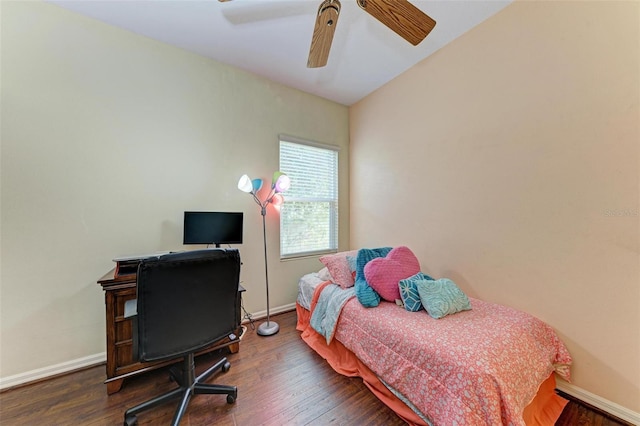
x: 226, y: 367
x: 231, y: 399
x: 130, y: 420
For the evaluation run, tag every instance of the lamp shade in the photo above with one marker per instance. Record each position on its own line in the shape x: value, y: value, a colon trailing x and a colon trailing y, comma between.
x: 245, y: 184
x: 256, y: 184
x: 277, y: 200
x: 282, y: 183
x: 275, y: 177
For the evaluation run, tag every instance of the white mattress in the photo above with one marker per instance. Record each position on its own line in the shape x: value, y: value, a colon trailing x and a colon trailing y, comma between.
x: 306, y: 286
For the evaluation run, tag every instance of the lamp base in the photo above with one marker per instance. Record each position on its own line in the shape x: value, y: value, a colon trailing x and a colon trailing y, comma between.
x: 268, y: 328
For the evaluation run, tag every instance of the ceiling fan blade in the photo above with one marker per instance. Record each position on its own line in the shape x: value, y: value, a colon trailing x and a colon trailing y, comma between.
x: 326, y: 22
x: 405, y: 19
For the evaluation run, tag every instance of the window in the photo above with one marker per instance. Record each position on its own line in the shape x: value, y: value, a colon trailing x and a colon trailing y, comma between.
x: 309, y: 215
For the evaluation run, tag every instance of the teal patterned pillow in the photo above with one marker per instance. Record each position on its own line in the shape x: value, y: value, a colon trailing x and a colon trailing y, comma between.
x: 442, y: 297
x: 409, y: 291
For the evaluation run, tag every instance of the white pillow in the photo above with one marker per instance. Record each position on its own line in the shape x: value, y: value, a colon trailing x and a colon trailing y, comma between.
x: 324, y: 274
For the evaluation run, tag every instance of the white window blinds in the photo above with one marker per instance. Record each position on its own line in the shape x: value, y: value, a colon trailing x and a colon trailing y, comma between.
x: 309, y: 215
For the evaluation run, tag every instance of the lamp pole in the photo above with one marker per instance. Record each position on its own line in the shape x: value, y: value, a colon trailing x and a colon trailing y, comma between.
x: 270, y: 327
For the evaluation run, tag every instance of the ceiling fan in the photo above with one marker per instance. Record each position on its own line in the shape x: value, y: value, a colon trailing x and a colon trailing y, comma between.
x: 400, y: 16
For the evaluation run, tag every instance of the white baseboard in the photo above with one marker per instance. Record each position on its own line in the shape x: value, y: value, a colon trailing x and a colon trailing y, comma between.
x: 273, y: 311
x: 52, y: 370
x: 599, y: 402
x: 91, y: 360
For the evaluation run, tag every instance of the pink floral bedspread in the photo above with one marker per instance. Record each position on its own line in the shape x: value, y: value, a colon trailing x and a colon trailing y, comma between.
x: 477, y: 367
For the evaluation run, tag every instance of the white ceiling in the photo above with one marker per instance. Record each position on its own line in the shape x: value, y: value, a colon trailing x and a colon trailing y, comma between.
x: 271, y: 38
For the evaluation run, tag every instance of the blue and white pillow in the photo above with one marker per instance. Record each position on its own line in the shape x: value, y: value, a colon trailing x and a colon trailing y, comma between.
x: 442, y: 297
x: 409, y: 291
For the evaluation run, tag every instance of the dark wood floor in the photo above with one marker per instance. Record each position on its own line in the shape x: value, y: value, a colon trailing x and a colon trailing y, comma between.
x: 280, y: 381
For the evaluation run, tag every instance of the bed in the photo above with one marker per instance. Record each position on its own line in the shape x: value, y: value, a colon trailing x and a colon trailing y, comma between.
x: 487, y: 365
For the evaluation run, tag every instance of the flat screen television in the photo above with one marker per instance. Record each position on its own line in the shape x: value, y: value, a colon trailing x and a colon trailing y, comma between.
x: 213, y: 228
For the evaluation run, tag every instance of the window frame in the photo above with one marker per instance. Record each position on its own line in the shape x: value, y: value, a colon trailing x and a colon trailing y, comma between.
x: 334, y: 218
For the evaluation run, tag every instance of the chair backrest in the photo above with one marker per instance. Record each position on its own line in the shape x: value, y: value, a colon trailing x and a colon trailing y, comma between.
x: 186, y: 301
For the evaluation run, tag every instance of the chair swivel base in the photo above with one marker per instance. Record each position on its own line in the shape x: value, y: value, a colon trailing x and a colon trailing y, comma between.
x: 188, y: 386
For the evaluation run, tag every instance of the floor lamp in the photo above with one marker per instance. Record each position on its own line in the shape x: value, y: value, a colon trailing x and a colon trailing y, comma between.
x: 279, y: 184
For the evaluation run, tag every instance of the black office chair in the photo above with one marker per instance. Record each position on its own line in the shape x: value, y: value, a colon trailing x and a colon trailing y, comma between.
x: 185, y: 302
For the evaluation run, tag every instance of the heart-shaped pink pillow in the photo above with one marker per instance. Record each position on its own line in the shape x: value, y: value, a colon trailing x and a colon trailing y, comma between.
x: 384, y: 273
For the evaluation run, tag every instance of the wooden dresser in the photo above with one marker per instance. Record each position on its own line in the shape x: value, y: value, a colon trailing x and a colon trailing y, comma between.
x: 120, y: 360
